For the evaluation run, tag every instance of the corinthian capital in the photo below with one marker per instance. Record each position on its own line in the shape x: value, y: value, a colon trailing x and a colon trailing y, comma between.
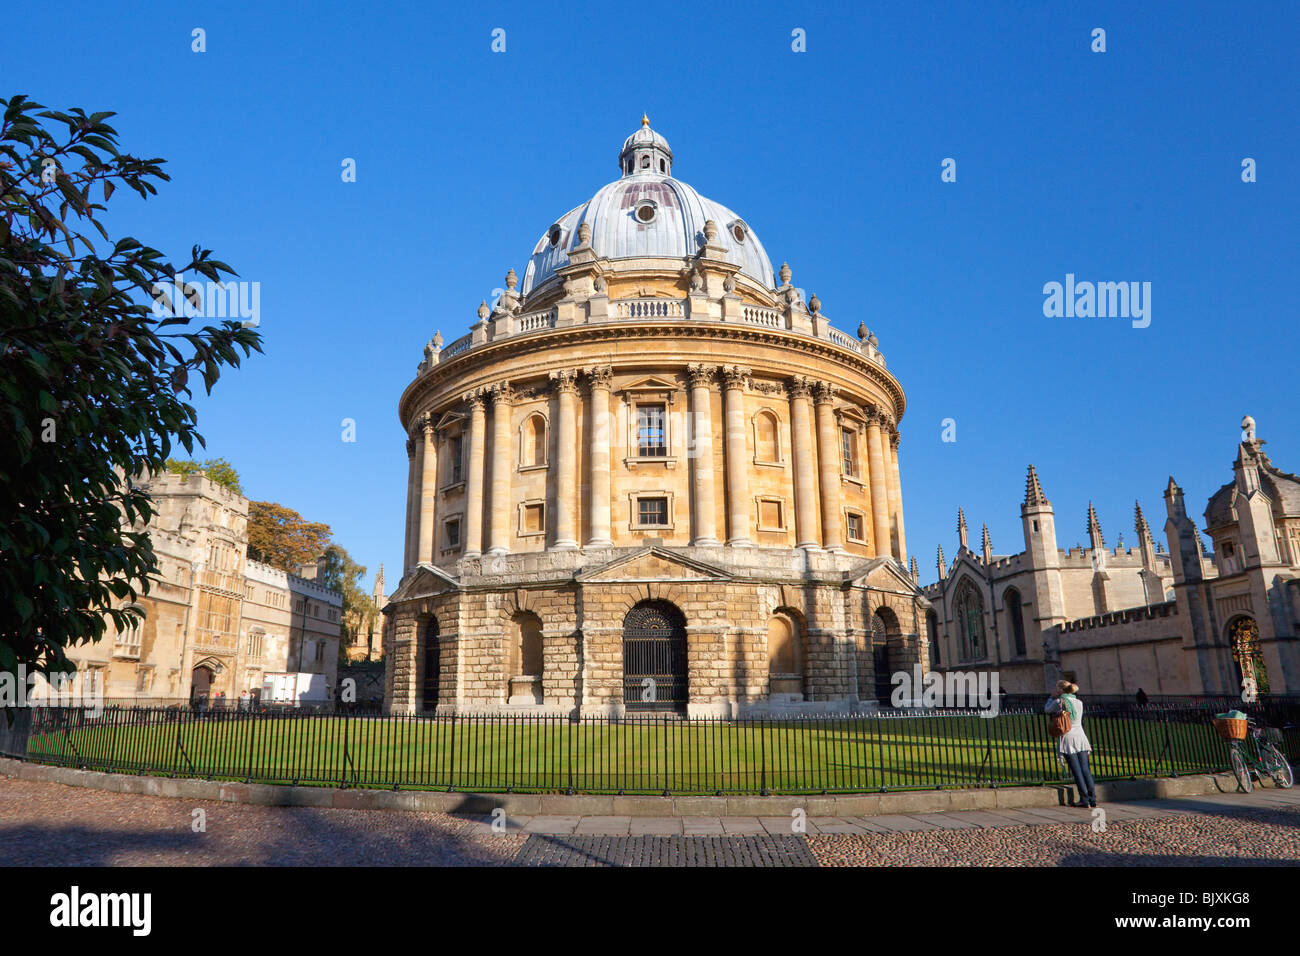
x: 735, y: 376
x: 823, y: 392
x: 797, y: 386
x: 502, y: 393
x: 701, y: 375
x: 565, y: 380
x: 600, y: 376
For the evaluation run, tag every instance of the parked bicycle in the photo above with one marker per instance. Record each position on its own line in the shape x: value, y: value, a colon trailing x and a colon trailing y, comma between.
x: 1255, y: 750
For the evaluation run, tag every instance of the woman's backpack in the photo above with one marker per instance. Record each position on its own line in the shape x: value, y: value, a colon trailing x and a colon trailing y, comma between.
x: 1059, y: 724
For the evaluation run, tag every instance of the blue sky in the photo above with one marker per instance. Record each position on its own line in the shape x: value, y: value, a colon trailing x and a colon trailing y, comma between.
x: 1115, y: 166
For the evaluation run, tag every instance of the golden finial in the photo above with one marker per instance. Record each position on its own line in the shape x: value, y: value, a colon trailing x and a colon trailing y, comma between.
x: 645, y: 119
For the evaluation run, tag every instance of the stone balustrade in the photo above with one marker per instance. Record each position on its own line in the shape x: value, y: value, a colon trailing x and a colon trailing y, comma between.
x: 646, y: 308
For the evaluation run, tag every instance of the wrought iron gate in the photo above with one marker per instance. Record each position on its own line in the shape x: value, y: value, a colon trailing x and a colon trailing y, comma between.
x: 654, y: 658
x: 432, y: 666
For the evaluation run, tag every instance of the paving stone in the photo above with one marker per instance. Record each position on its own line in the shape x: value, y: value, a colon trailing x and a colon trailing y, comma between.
x: 895, y: 821
x: 656, y: 826
x: 761, y: 850
x: 742, y: 826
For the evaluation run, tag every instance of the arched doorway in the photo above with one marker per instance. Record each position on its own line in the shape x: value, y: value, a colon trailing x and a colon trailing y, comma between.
x: 785, y: 657
x: 654, y: 657
x: 201, y: 682
x: 432, y: 670
x: 1247, y: 656
x: 883, y: 626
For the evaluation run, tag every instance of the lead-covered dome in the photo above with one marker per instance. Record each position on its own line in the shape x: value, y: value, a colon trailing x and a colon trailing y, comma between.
x: 647, y: 214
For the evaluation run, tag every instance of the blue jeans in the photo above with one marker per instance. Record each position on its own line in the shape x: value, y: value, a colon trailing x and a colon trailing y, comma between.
x: 1082, y: 777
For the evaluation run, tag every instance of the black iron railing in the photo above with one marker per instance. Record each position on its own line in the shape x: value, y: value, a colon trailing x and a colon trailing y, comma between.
x: 890, y: 750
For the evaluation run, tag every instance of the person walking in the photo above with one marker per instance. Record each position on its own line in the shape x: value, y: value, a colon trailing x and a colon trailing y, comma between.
x: 1074, y: 745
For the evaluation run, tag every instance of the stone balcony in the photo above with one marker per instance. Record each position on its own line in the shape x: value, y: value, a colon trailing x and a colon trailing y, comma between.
x: 494, y: 326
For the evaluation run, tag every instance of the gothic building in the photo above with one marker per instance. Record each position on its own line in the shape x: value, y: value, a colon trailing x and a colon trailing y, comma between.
x: 215, y: 623
x: 1114, y: 621
x: 653, y: 476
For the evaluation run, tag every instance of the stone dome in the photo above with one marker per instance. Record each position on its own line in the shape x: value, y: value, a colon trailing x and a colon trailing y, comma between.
x: 647, y: 213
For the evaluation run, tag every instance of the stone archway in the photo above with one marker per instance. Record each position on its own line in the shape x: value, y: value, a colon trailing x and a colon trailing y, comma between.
x: 886, y: 638
x: 654, y: 658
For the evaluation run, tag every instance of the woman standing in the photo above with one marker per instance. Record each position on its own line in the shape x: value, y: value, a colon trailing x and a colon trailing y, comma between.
x: 1074, y: 745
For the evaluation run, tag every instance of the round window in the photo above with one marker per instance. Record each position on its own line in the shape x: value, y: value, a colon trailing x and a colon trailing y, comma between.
x: 739, y: 232
x: 555, y: 235
x: 645, y: 212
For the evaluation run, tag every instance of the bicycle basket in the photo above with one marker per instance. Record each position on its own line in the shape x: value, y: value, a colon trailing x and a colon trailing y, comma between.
x: 1230, y: 728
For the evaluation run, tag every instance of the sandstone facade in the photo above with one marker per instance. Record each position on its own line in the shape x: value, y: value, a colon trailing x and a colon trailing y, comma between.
x: 653, y: 435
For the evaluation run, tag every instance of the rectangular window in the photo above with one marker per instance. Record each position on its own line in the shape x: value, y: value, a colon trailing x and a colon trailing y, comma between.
x: 849, y: 450
x: 855, y: 527
x: 652, y: 511
x: 651, y: 431
x: 769, y: 515
x: 452, y: 535
x: 534, y: 519
x: 457, y: 466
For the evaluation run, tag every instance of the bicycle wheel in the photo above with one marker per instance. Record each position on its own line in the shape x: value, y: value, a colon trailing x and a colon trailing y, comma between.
x: 1278, y: 766
x: 1241, y: 771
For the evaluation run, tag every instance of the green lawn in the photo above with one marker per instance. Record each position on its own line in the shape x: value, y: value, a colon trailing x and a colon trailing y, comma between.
x: 485, y: 754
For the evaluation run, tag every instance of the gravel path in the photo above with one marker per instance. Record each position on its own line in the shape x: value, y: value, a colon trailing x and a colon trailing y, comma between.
x: 48, y: 824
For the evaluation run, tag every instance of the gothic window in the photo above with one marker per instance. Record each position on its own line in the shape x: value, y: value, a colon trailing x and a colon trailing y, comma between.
x: 1017, y: 619
x: 968, y: 609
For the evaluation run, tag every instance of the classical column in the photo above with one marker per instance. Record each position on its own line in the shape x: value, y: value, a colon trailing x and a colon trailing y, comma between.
x: 828, y: 458
x: 566, y: 459
x: 428, y: 492
x: 599, y: 379
x: 894, y: 440
x: 474, y: 476
x: 738, y: 504
x: 499, y: 504
x: 412, y: 523
x: 704, y: 526
x: 879, y: 487
x: 805, y: 488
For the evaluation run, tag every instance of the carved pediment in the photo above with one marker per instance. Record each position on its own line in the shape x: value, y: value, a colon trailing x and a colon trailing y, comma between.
x: 424, y: 580
x: 652, y: 564
x: 653, y: 383
x: 883, y: 573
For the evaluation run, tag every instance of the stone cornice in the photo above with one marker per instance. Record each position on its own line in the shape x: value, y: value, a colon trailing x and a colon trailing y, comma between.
x: 598, y: 334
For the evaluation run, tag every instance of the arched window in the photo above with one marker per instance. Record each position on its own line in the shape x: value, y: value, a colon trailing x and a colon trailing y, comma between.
x: 784, y: 656
x: 1016, y: 618
x: 767, y: 442
x: 968, y: 610
x: 532, y: 442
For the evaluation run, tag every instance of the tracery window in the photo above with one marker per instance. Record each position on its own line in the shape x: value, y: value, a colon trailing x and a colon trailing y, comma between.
x: 968, y: 609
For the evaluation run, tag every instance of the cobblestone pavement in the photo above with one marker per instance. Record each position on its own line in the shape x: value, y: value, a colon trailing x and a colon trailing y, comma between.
x: 45, y: 824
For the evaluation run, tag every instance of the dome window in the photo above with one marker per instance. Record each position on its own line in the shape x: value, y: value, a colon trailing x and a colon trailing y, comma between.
x: 555, y: 234
x: 645, y: 211
x: 740, y: 230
